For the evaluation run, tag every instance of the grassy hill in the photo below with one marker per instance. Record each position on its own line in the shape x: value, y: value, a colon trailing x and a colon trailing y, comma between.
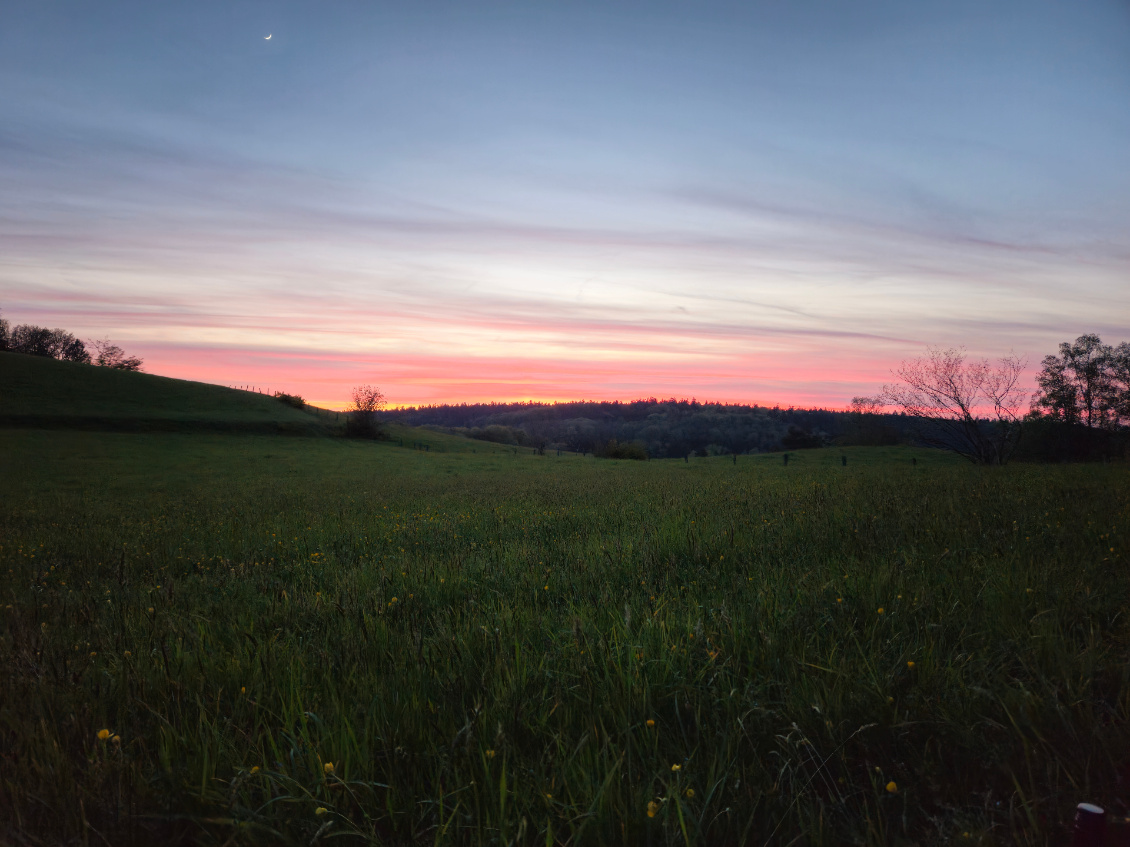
x: 40, y: 393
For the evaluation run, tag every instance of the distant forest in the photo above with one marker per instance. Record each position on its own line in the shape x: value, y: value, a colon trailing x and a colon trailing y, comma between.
x: 657, y: 428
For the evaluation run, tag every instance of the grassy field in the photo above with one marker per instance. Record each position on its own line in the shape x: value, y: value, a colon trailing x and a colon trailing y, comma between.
x: 229, y: 638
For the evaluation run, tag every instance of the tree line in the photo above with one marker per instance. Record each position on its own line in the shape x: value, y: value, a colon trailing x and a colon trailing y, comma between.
x: 60, y: 344
x: 651, y: 427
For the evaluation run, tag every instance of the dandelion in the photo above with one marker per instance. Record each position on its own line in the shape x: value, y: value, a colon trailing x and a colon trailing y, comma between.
x: 881, y: 610
x: 650, y: 722
x: 690, y: 793
x: 910, y: 665
x: 892, y: 788
x: 103, y: 734
x: 328, y: 767
x: 652, y: 809
x: 321, y: 810
x: 676, y: 768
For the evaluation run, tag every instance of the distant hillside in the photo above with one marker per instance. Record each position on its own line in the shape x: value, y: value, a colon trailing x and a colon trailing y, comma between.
x: 665, y: 428
x: 42, y: 392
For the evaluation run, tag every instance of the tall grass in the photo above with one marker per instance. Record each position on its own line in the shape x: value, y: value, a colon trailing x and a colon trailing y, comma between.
x: 295, y: 639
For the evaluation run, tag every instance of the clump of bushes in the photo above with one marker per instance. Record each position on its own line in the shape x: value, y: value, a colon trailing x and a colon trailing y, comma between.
x: 290, y: 400
x: 499, y: 434
x: 627, y: 450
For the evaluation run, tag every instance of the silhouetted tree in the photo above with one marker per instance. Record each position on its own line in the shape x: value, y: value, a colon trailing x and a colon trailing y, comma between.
x: 969, y: 407
x: 368, y: 401
x: 51, y: 343
x: 5, y: 334
x: 112, y: 356
x: 1085, y: 384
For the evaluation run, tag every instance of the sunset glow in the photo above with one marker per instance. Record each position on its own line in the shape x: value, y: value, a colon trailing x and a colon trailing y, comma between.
x: 734, y: 202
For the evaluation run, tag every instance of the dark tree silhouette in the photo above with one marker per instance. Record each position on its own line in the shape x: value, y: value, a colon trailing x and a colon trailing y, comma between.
x: 1085, y: 384
x: 363, y: 422
x: 109, y: 355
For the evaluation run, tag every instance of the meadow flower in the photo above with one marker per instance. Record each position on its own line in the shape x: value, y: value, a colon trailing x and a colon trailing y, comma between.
x: 255, y: 769
x: 910, y: 665
x: 115, y: 739
x: 103, y: 734
x: 892, y: 787
x: 650, y: 722
x: 690, y: 793
x: 328, y: 767
x: 676, y: 768
x: 652, y: 809
x: 321, y: 810
x: 490, y: 754
x: 881, y: 610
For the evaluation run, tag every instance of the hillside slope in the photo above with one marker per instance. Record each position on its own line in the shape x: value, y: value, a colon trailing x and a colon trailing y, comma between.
x: 41, y: 392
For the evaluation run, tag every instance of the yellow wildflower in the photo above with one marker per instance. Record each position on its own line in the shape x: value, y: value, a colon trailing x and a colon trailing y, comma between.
x: 490, y: 754
x: 650, y: 722
x: 690, y: 793
x: 328, y: 767
x: 676, y: 768
x: 880, y: 610
x: 321, y: 810
x: 652, y: 809
x: 892, y: 788
x: 103, y: 734
x: 910, y: 665
x: 255, y: 769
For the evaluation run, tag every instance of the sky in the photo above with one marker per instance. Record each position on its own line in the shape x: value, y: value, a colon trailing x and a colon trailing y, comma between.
x: 770, y: 202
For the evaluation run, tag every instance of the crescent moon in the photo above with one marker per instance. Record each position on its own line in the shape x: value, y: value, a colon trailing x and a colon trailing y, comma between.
x: 268, y: 38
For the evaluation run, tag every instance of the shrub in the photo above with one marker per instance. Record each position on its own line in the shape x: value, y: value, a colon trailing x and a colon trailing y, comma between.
x: 629, y: 450
x: 290, y: 400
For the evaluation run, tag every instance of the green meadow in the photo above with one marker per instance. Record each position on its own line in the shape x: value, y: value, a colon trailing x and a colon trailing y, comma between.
x: 237, y: 637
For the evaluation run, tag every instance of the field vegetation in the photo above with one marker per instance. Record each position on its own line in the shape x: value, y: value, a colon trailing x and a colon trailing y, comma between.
x: 262, y: 639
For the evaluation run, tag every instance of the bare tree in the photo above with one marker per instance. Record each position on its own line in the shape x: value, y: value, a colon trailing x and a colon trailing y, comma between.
x: 368, y: 401
x: 109, y: 355
x: 5, y: 333
x: 969, y: 407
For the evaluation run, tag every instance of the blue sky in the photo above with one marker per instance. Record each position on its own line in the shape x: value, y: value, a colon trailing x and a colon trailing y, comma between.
x: 771, y: 202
